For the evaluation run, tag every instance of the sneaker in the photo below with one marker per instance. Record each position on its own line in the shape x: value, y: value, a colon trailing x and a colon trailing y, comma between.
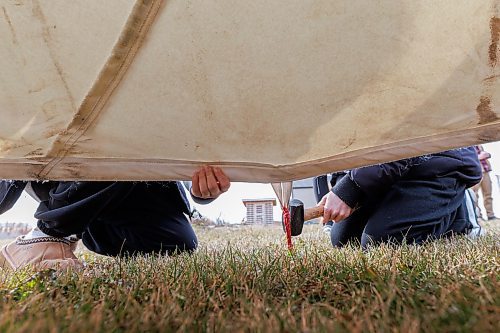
x: 327, y: 229
x: 475, y: 230
x: 41, y: 253
x: 493, y: 217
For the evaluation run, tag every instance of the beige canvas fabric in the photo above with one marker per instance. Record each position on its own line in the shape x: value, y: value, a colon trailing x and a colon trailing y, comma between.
x: 269, y: 90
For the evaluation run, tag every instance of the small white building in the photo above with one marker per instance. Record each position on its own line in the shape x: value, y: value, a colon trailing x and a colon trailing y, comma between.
x: 259, y: 211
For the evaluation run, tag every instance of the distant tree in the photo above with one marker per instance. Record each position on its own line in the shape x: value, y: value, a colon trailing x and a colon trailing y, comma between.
x: 220, y: 220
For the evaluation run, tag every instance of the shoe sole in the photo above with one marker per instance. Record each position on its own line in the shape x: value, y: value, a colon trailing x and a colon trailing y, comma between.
x: 4, y: 263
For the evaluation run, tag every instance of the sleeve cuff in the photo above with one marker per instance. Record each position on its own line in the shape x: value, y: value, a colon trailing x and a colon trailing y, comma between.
x: 200, y: 201
x: 348, y: 191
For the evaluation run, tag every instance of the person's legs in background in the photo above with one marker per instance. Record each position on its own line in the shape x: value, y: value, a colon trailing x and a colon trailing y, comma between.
x: 486, y: 189
x: 320, y: 187
x: 476, y: 189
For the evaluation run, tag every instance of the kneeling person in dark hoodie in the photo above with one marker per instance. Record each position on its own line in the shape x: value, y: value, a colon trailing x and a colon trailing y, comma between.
x: 111, y: 218
x: 411, y: 200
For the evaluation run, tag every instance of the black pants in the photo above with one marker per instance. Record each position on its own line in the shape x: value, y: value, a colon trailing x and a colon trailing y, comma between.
x: 412, y: 211
x: 114, y: 218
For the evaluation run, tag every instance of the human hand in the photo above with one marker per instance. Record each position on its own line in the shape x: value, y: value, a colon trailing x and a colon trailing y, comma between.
x: 334, y: 208
x: 483, y: 155
x: 209, y: 182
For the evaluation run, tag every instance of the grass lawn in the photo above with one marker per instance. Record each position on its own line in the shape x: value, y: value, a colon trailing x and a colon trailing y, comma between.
x: 244, y: 279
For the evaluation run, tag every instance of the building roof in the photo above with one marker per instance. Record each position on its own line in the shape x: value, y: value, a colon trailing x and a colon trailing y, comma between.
x: 246, y: 201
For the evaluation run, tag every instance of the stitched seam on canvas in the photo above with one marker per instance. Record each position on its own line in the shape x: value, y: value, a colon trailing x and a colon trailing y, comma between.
x: 111, y: 75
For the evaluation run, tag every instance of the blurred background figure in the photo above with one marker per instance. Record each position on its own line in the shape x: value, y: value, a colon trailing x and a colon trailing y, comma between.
x: 485, y: 185
x: 322, y: 186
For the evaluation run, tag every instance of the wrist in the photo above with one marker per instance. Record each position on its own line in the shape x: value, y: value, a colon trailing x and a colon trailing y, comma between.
x: 348, y: 191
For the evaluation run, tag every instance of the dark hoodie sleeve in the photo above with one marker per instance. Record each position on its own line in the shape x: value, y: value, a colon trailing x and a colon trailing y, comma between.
x: 10, y: 191
x: 372, y: 180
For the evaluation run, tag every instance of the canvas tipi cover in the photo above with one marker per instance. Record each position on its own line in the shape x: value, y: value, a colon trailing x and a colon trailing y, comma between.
x: 269, y: 90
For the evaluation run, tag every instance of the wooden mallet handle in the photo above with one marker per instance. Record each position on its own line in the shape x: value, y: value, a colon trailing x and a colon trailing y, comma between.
x: 313, y: 212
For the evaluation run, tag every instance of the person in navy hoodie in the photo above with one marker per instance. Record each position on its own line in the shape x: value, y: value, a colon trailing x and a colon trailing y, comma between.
x: 111, y: 218
x: 411, y: 200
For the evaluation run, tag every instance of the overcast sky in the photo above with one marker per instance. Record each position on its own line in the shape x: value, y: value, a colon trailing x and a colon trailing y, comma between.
x: 229, y: 206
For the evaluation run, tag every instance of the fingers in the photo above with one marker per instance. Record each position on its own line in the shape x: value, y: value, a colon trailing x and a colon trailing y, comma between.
x: 212, y: 184
x: 336, y: 215
x: 323, y: 201
x: 202, y: 186
x: 209, y: 182
x: 222, y: 180
x: 195, y: 188
x: 334, y: 208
